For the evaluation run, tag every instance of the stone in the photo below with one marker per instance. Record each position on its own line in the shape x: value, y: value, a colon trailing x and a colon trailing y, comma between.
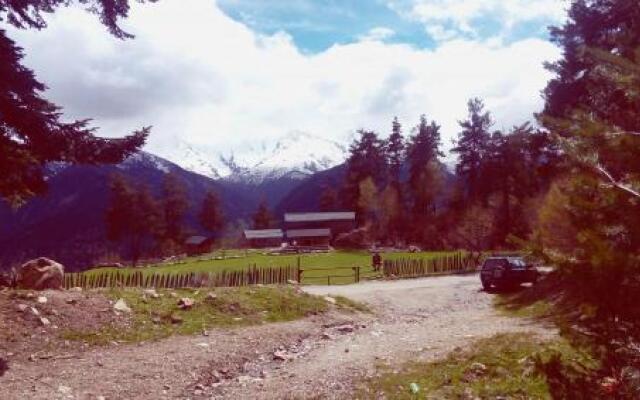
x: 347, y: 328
x: 414, y: 388
x: 34, y: 311
x: 44, y: 321
x: 280, y: 355
x: 185, y: 303
x: 329, y: 299
x: 121, y: 306
x: 292, y: 282
x: 71, y: 301
x: 176, y: 319
x: 22, y: 307
x: 151, y: 293
x: 64, y: 389
x: 478, y: 368
x: 40, y: 274
x: 76, y: 289
x: 42, y: 300
x: 212, y: 296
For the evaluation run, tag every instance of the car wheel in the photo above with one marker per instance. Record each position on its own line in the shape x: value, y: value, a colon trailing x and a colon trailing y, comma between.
x: 486, y: 285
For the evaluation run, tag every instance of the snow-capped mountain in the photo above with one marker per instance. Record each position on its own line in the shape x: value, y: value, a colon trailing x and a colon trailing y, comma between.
x: 296, y: 155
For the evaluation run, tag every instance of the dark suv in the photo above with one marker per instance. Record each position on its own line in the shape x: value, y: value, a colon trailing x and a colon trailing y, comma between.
x: 503, y: 272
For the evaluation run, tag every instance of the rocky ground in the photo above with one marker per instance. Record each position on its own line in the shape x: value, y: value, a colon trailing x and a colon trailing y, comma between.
x: 321, y: 356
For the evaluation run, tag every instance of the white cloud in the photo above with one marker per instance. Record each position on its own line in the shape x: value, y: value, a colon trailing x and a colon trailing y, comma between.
x: 195, y: 74
x: 446, y: 19
x: 378, y: 34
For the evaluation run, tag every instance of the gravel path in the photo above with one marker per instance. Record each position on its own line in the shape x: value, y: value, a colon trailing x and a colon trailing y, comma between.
x: 318, y: 357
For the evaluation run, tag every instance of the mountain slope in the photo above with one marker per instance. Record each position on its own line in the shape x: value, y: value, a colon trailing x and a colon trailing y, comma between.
x: 68, y: 222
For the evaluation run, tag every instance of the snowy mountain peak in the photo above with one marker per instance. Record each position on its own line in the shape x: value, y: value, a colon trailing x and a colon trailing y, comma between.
x: 296, y: 155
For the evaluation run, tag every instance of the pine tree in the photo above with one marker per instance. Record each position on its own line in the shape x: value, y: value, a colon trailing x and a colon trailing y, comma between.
x: 133, y: 217
x: 262, y: 217
x: 369, y: 206
x: 211, y: 216
x: 395, y: 149
x: 594, y: 114
x: 425, y: 176
x: 612, y: 26
x: 32, y: 131
x: 473, y: 151
x: 328, y: 199
x: 366, y: 160
x: 175, y: 205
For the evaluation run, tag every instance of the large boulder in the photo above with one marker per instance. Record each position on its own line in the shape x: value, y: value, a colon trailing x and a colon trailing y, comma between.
x: 40, y: 274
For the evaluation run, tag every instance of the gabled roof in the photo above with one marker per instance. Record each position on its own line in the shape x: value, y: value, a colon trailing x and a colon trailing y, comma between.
x: 196, y: 240
x: 300, y: 233
x: 320, y: 216
x: 263, y: 234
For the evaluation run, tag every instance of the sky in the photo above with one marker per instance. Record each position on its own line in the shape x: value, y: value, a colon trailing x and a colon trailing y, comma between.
x: 226, y: 74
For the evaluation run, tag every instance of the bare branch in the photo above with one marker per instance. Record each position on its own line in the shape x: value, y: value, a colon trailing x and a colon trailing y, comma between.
x: 616, y: 183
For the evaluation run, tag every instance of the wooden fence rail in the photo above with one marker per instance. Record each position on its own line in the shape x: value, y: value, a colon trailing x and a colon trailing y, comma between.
x: 115, y: 279
x: 411, y: 268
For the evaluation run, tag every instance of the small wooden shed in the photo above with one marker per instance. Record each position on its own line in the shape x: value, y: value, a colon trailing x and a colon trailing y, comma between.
x: 309, y: 237
x: 259, y: 238
x: 195, y: 245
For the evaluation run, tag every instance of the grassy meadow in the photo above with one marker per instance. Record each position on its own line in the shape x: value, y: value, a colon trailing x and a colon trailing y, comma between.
x: 317, y: 266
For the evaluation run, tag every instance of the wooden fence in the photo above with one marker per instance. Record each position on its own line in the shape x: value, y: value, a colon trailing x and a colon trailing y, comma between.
x: 412, y: 268
x: 114, y: 279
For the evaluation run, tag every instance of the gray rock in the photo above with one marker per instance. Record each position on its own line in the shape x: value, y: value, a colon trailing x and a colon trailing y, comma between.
x: 40, y: 274
x: 121, y: 306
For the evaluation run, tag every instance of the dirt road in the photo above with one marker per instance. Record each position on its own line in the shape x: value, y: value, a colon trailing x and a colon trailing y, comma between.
x: 319, y: 357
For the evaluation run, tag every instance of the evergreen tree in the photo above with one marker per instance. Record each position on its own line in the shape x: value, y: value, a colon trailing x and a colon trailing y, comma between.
x: 612, y: 26
x: 395, y: 149
x: 391, y: 214
x: 593, y: 112
x: 369, y: 206
x: 328, y: 199
x: 425, y: 177
x: 32, y: 132
x: 366, y: 160
x: 473, y: 151
x: 262, y: 217
x: 175, y: 205
x: 133, y: 217
x: 211, y: 216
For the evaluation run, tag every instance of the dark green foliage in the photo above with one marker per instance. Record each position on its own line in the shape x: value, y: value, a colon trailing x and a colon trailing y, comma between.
x: 211, y: 216
x: 32, y: 131
x: 593, y: 111
x: 473, y: 150
x: 328, y: 199
x: 395, y: 149
x: 609, y: 25
x: 134, y: 217
x: 174, y: 205
x: 262, y: 218
x: 366, y: 160
x: 425, y: 179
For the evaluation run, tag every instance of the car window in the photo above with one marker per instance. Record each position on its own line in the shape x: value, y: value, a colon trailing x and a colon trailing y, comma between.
x: 493, y: 262
x: 518, y: 263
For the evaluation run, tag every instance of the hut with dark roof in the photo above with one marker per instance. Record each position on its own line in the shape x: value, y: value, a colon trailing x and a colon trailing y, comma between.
x: 336, y: 222
x: 258, y: 238
x: 195, y: 245
x: 309, y: 237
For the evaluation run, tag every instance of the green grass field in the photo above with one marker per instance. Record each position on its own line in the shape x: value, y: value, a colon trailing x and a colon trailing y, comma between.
x: 317, y: 267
